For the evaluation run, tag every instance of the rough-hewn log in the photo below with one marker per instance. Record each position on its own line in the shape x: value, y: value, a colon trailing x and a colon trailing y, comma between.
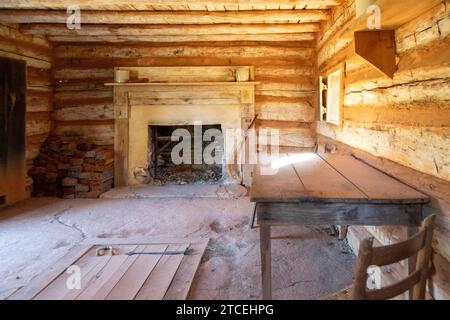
x: 168, y: 30
x: 191, y: 51
x: 285, y: 108
x: 166, y: 17
x: 36, y: 127
x: 189, y: 38
x: 98, y: 133
x: 150, y: 5
x: 290, y: 134
x: 85, y: 112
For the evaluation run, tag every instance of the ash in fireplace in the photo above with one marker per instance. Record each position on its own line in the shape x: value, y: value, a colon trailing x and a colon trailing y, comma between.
x: 188, y: 174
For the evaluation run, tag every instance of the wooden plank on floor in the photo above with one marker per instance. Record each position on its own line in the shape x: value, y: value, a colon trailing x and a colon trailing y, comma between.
x: 38, y: 283
x: 181, y: 283
x: 6, y: 293
x: 132, y: 281
x: 322, y: 181
x: 102, y: 284
x: 126, y: 277
x: 373, y: 182
x: 58, y: 289
x: 140, y: 240
x: 157, y: 284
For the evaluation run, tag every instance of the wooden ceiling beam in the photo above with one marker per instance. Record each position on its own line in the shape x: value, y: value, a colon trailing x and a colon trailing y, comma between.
x: 147, y: 4
x: 275, y: 37
x: 166, y: 17
x: 168, y: 30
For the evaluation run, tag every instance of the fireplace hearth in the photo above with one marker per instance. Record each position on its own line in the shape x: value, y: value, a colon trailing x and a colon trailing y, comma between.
x: 169, y: 143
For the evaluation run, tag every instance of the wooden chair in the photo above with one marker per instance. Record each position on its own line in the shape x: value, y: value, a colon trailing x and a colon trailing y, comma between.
x: 419, y: 244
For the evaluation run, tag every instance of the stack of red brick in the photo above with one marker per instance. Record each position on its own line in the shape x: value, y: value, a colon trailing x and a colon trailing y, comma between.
x: 72, y: 170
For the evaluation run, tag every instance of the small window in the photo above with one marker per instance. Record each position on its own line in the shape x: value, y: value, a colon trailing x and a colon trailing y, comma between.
x: 331, y: 98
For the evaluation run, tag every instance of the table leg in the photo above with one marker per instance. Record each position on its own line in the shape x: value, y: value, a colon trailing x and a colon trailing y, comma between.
x: 251, y: 221
x: 266, y: 261
x: 411, y: 231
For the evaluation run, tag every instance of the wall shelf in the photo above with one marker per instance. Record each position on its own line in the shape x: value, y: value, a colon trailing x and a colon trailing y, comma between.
x: 378, y: 46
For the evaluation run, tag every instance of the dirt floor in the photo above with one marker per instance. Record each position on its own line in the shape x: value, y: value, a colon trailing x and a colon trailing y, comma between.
x: 307, y: 262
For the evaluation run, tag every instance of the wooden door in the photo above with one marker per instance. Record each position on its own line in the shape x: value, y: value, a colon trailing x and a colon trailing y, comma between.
x: 12, y: 130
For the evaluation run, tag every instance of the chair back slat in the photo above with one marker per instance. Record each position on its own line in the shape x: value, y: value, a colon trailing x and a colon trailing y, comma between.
x: 382, y: 256
x: 394, y: 290
x: 420, y: 245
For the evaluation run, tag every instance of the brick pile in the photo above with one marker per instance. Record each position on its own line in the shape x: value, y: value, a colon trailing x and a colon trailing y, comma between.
x: 71, y: 170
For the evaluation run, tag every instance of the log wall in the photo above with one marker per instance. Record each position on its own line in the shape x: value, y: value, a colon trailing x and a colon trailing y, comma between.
x: 286, y: 70
x: 37, y: 52
x: 405, y: 119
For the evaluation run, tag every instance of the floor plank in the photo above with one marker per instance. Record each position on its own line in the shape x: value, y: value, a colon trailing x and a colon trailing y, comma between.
x: 126, y: 277
x: 157, y: 284
x: 132, y: 281
x: 43, y: 279
x: 58, y: 290
x: 102, y: 284
x: 181, y: 283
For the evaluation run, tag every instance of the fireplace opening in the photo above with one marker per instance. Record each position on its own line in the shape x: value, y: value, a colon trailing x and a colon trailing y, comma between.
x: 186, y: 154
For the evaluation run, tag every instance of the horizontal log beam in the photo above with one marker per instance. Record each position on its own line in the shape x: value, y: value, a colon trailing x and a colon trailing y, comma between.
x: 166, y: 17
x: 150, y: 4
x: 167, y: 30
x: 189, y: 38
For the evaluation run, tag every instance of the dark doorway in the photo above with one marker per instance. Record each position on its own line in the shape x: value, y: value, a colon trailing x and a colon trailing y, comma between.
x: 12, y: 128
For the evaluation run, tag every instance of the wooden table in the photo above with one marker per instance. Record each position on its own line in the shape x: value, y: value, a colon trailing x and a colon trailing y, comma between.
x: 312, y: 189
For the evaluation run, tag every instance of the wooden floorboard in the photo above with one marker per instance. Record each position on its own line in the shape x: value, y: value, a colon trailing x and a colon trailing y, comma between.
x: 58, y: 289
x: 43, y: 279
x: 181, y: 283
x: 157, y: 284
x: 129, y: 285
x: 108, y: 277
x: 121, y: 276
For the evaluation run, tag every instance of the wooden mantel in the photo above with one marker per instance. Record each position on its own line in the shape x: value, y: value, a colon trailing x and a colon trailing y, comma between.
x: 177, y: 96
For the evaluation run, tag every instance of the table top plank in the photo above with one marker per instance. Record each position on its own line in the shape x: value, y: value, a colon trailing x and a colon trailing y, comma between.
x: 322, y: 181
x: 330, y: 179
x: 374, y: 183
x: 284, y: 185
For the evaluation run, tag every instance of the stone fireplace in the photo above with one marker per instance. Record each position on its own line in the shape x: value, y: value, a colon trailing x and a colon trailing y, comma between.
x: 161, y: 97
